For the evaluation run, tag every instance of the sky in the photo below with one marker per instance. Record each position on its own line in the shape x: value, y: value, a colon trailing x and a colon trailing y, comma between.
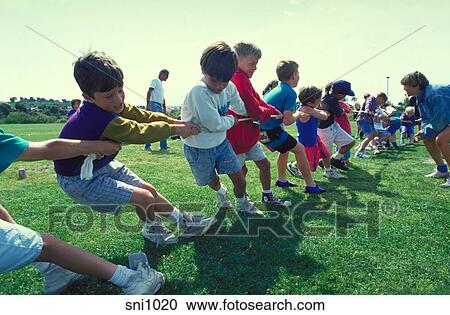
x: 327, y: 39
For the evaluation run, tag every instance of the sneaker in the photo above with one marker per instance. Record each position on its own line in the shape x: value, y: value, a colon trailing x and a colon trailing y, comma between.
x: 314, y: 190
x: 194, y: 225
x: 332, y: 174
x: 271, y: 199
x: 446, y: 184
x: 293, y: 169
x: 158, y: 233
x: 222, y: 200
x: 361, y: 155
x: 248, y: 207
x: 145, y: 280
x: 57, y: 279
x: 437, y: 174
x: 338, y: 163
x: 279, y: 183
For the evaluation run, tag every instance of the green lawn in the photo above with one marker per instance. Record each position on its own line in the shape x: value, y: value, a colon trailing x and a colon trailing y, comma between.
x: 316, y: 247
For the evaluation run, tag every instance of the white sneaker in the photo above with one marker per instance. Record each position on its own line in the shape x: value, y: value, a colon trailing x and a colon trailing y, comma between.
x: 144, y: 281
x: 57, y: 279
x: 446, y: 184
x: 332, y: 174
x: 222, y: 200
x: 194, y: 225
x: 437, y: 174
x: 248, y: 207
x: 361, y: 155
x: 158, y: 233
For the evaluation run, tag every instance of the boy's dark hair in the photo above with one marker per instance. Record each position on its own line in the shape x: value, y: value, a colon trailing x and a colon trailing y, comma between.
x: 97, y: 72
x: 285, y: 69
x: 219, y: 61
x: 74, y: 101
x: 246, y: 49
x: 383, y: 95
x: 309, y: 94
x: 415, y: 78
x: 328, y: 88
x: 164, y: 71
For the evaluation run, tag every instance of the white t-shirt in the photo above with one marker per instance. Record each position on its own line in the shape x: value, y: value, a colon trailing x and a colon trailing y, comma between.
x: 157, y: 92
x: 208, y: 111
x: 377, y: 122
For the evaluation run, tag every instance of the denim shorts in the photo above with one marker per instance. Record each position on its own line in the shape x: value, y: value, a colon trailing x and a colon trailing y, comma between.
x: 254, y: 154
x: 110, y: 188
x: 393, y: 127
x: 408, y: 129
x: 366, y: 128
x: 19, y: 246
x: 205, y: 163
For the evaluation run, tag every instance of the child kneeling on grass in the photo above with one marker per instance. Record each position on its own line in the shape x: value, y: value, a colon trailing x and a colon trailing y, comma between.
x: 62, y: 264
x: 105, y: 115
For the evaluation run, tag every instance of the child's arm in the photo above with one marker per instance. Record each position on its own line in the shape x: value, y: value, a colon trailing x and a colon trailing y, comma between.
x: 144, y: 116
x: 130, y: 131
x: 319, y: 114
x: 256, y: 108
x: 5, y: 216
x: 58, y: 149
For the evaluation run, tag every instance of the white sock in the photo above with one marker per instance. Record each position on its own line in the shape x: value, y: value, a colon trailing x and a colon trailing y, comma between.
x: 267, y: 191
x: 338, y: 155
x: 222, y: 190
x: 327, y: 169
x: 240, y: 200
x: 175, y: 216
x: 121, y: 276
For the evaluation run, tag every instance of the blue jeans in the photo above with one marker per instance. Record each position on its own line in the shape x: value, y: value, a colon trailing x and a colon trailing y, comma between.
x: 156, y: 107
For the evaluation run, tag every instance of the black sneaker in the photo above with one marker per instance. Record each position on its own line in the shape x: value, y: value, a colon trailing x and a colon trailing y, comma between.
x: 338, y: 163
x: 271, y: 199
x: 321, y: 163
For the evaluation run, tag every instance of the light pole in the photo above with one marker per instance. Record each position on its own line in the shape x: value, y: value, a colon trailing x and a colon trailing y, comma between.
x: 387, y: 86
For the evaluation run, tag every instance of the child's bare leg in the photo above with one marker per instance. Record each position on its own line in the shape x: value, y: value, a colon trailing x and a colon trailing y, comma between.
x: 433, y: 150
x: 214, y: 184
x: 281, y: 166
x: 364, y: 144
x: 239, y: 184
x: 303, y: 164
x: 148, y: 201
x: 74, y: 259
x: 264, y: 173
x: 244, y: 170
x: 326, y: 162
x: 346, y: 147
x: 442, y: 141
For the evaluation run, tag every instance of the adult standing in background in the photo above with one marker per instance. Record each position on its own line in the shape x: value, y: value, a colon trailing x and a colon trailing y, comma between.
x: 156, y: 101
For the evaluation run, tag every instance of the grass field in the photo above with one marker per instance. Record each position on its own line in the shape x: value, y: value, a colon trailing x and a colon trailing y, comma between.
x: 321, y: 245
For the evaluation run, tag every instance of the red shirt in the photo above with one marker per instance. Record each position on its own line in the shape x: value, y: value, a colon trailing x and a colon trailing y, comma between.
x: 245, y: 134
x: 343, y: 119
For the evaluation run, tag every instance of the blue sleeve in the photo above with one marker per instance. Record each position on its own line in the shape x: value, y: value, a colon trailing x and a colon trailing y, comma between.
x: 435, y: 115
x: 11, y: 147
x: 291, y: 102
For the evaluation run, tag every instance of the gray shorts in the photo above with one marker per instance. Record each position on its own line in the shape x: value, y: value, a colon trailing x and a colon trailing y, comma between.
x: 19, y: 246
x: 205, y: 163
x: 110, y: 188
x: 254, y: 154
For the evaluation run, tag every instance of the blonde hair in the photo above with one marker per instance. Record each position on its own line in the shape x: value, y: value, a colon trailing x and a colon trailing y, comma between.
x: 410, y: 110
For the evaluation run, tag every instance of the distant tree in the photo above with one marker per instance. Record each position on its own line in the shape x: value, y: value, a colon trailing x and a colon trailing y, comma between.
x: 13, y: 99
x: 5, y: 109
x: 21, y: 108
